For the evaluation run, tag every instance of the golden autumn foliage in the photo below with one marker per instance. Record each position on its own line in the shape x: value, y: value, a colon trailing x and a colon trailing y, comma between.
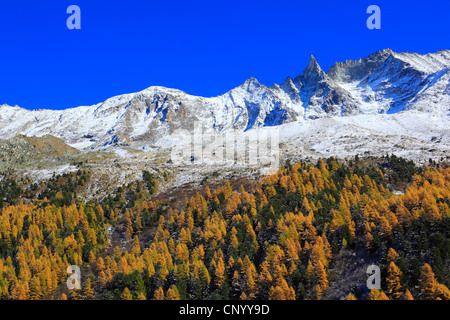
x: 376, y: 294
x: 48, y: 239
x: 350, y: 296
x: 393, y: 281
x: 274, y: 238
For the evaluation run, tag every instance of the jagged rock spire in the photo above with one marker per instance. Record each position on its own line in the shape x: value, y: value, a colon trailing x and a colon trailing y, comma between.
x: 313, y: 69
x: 313, y: 76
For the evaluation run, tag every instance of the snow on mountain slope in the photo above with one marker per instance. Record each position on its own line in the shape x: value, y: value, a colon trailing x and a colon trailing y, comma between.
x: 383, y: 82
x: 149, y: 115
x: 429, y: 63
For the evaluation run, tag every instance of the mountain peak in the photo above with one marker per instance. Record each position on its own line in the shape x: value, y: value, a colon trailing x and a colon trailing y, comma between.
x: 287, y: 82
x: 385, y: 51
x: 313, y: 74
x: 9, y: 106
x: 251, y: 83
x: 289, y: 86
x: 313, y: 68
x: 380, y: 55
x: 313, y: 64
x: 251, y: 80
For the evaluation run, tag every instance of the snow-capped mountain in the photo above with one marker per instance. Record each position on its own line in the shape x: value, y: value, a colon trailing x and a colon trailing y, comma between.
x: 383, y: 82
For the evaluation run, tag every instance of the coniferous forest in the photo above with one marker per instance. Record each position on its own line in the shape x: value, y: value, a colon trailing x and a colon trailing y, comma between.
x: 297, y: 234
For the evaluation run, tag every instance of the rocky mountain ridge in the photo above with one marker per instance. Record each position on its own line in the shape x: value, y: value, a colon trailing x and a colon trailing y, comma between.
x: 383, y: 82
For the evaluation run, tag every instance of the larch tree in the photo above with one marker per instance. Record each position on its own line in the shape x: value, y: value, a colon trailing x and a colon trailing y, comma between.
x: 350, y: 296
x: 126, y: 294
x: 393, y: 281
x: 173, y: 293
x: 407, y: 295
x: 427, y: 282
x: 35, y: 289
x: 322, y: 280
x: 442, y: 292
x: 376, y: 294
x: 88, y: 290
x: 141, y: 296
x: 276, y: 293
x: 219, y: 272
x: 159, y: 294
x: 391, y: 256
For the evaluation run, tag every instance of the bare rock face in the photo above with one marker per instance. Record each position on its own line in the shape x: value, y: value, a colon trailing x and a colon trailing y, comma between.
x: 354, y: 70
x: 383, y: 82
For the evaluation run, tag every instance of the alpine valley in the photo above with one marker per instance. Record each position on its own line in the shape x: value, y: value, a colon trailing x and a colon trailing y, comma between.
x: 362, y: 177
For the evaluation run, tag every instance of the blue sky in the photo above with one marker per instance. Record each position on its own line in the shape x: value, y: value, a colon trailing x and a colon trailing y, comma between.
x: 202, y: 47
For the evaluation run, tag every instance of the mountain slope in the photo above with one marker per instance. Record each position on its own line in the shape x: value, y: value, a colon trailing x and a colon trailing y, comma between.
x: 22, y: 151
